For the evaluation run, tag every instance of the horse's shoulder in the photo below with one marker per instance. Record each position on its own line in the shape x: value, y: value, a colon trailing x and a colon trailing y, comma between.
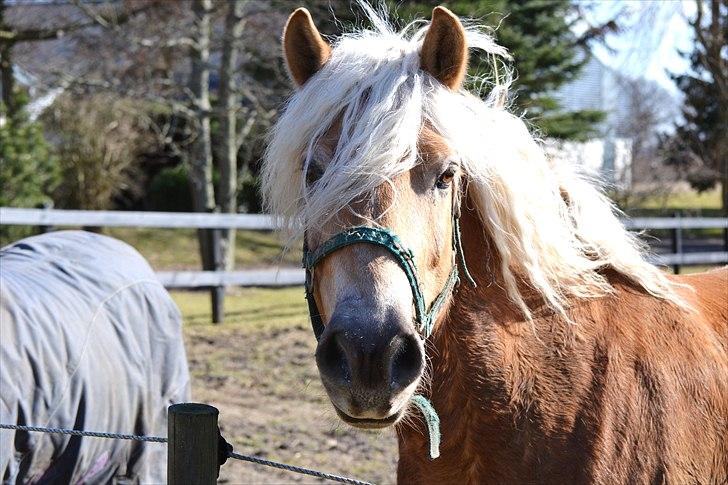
x: 708, y: 294
x: 709, y: 286
x: 654, y: 327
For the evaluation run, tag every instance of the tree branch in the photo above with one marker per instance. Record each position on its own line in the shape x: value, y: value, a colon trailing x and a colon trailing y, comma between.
x: 32, y: 35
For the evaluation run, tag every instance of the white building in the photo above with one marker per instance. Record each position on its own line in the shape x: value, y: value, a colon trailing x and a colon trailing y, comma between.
x: 609, y: 156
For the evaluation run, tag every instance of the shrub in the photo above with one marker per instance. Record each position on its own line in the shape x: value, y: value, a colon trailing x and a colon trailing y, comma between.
x: 97, y: 141
x: 170, y: 191
x: 28, y: 172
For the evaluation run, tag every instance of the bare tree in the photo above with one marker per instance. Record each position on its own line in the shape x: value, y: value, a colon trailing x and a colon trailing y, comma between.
x: 227, y: 148
x: 163, y: 57
x: 649, y: 111
x: 712, y: 35
x: 200, y: 157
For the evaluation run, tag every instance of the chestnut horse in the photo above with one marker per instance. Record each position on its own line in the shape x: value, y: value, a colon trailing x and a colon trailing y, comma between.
x: 568, y: 359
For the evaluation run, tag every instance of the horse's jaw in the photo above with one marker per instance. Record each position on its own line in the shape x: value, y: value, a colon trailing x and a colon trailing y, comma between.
x: 373, y: 418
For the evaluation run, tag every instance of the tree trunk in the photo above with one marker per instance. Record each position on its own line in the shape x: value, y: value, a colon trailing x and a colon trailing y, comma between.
x: 200, y: 162
x: 724, y: 188
x: 228, y: 105
x: 7, y: 79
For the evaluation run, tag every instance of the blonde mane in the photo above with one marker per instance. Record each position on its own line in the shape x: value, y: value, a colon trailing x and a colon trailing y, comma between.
x: 551, y: 227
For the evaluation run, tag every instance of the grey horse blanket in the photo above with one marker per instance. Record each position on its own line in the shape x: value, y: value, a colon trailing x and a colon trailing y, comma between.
x: 89, y: 339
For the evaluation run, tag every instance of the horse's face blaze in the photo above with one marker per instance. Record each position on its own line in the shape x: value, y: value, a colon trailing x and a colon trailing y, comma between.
x: 370, y: 355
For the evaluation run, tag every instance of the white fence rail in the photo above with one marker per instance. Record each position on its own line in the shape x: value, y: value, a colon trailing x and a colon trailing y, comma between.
x: 196, y: 220
x: 291, y: 276
x: 253, y: 277
x: 638, y: 223
x: 255, y: 222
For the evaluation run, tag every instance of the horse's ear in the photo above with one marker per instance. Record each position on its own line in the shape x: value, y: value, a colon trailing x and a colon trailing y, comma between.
x: 305, y: 50
x: 444, y: 51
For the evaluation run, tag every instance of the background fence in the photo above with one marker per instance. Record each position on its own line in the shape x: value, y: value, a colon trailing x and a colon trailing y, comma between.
x: 47, y: 219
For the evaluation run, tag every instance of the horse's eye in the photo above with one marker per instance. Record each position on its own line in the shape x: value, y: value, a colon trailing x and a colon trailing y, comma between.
x: 445, y: 178
x: 313, y: 173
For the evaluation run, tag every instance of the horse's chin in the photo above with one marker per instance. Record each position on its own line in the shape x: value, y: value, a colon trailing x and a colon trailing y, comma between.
x: 370, y: 423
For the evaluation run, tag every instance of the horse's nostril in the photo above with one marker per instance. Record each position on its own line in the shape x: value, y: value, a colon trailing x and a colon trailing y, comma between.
x: 408, y: 361
x: 331, y: 358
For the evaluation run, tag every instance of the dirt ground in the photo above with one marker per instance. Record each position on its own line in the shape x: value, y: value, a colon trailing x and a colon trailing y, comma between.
x: 258, y: 369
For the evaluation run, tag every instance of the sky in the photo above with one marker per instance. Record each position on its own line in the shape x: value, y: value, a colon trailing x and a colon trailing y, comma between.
x: 654, y: 33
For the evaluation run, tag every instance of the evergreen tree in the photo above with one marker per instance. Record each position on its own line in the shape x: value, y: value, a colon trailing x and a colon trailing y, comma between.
x: 699, y: 145
x: 28, y: 172
x: 546, y: 55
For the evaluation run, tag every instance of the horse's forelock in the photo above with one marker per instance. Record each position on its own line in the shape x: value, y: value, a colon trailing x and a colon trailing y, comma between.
x: 374, y: 84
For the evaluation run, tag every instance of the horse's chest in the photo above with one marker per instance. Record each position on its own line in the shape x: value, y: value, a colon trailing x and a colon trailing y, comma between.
x: 495, y: 425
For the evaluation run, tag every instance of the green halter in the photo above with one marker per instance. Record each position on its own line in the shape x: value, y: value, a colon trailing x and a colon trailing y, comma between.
x: 405, y: 258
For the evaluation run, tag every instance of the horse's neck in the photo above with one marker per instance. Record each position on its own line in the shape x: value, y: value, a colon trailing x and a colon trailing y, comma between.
x: 484, y: 359
x: 533, y: 401
x: 469, y: 345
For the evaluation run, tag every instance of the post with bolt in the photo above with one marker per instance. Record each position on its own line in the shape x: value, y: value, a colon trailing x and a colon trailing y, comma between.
x: 192, y: 448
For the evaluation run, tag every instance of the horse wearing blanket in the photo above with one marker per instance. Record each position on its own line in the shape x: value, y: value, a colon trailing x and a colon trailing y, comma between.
x: 561, y: 356
x: 92, y: 341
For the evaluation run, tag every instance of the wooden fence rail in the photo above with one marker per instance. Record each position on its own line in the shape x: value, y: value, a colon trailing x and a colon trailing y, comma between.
x: 218, y: 280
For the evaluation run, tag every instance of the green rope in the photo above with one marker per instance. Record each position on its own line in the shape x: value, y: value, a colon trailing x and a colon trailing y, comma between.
x: 433, y: 423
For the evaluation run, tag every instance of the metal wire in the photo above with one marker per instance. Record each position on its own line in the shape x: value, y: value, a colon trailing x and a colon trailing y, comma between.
x: 158, y: 439
x: 93, y: 434
x: 297, y: 469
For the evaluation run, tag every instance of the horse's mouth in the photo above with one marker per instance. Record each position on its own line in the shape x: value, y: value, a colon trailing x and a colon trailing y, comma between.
x: 369, y: 423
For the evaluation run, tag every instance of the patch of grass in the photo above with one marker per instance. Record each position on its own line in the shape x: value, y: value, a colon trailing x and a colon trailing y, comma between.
x: 694, y: 269
x: 254, y: 309
x: 685, y: 200
x: 177, y: 248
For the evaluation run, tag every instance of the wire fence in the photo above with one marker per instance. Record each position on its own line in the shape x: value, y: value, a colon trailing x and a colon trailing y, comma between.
x: 78, y: 432
x: 297, y: 469
x: 159, y: 439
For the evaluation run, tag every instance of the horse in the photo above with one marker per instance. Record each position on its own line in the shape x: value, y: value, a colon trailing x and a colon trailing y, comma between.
x: 449, y: 260
x: 92, y: 341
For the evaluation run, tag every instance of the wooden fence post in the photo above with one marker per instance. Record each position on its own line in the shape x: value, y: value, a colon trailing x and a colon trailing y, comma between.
x: 192, y: 435
x: 677, y: 243
x: 45, y: 228
x: 217, y: 293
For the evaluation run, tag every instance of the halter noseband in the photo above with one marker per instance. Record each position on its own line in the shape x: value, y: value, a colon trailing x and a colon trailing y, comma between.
x: 405, y: 258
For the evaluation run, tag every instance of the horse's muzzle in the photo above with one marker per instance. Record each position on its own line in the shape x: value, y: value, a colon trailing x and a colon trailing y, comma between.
x: 369, y: 369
